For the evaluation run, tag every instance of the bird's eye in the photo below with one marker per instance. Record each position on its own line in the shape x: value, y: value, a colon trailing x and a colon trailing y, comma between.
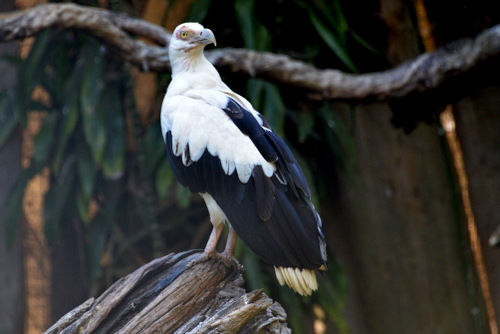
x: 183, y: 34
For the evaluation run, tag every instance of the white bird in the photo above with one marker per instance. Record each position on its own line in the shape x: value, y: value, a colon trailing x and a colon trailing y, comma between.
x: 219, y: 146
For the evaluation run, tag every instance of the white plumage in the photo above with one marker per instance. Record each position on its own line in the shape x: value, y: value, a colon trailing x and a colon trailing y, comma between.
x: 213, y: 133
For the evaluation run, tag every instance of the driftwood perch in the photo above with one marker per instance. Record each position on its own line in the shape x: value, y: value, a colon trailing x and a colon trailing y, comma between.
x: 173, y: 294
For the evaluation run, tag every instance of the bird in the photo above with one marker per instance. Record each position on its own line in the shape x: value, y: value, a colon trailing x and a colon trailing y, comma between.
x: 219, y: 146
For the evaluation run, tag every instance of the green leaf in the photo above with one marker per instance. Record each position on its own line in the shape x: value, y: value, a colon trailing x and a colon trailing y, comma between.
x: 255, y: 35
x: 274, y: 108
x: 164, y: 179
x: 69, y: 117
x: 57, y: 200
x: 74, y: 79
x: 82, y: 205
x: 332, y: 41
x: 33, y: 69
x: 8, y: 117
x: 244, y: 10
x: 183, y: 196
x: 254, y: 276
x: 113, y: 161
x: 64, y: 65
x: 365, y: 44
x: 14, y: 203
x: 91, y: 90
x: 294, y: 309
x: 86, y: 170
x: 44, y: 139
x: 198, y: 11
x: 255, y: 89
x: 339, y: 139
x: 337, y: 19
x: 98, y: 235
x: 305, y: 125
x: 332, y: 295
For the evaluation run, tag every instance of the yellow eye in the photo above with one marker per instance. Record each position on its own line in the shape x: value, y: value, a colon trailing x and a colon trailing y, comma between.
x: 183, y: 34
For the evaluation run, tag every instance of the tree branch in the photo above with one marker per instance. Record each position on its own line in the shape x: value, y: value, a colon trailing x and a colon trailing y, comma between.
x: 422, y: 74
x: 112, y: 29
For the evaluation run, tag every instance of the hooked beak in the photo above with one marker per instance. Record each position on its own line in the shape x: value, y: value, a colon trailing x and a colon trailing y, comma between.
x: 207, y: 37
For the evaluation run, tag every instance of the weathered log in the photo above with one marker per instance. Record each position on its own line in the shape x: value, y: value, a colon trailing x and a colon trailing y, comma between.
x: 177, y: 294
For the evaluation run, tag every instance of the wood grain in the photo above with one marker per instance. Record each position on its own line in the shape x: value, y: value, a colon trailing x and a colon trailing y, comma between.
x: 178, y: 294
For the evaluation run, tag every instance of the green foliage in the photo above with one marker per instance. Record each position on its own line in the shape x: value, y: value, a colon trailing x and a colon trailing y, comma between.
x: 332, y: 300
x: 91, y: 90
x: 82, y: 140
x: 331, y: 26
x: 109, y: 172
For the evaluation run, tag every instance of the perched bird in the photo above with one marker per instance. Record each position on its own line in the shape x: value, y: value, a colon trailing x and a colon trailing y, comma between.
x: 219, y: 146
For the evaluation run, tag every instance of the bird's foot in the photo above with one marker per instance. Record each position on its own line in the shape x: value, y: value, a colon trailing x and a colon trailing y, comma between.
x: 229, y: 258
x: 203, y: 257
x: 226, y: 259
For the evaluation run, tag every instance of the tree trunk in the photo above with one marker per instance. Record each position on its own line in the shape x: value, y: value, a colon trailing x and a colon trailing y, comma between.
x: 398, y: 229
x: 478, y: 125
x: 405, y: 257
x: 178, y: 293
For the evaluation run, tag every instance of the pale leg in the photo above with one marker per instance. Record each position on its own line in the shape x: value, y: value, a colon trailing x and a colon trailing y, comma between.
x: 214, y: 237
x: 231, y: 242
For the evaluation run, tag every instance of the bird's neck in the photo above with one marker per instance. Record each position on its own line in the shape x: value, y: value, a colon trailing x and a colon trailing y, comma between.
x: 193, y: 61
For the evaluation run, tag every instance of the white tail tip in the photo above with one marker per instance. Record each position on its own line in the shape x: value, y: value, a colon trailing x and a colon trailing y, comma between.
x: 302, y: 281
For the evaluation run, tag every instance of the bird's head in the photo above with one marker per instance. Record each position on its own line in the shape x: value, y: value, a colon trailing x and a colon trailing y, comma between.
x: 189, y: 38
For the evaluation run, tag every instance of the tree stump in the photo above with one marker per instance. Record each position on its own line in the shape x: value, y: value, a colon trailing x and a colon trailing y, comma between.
x: 177, y: 294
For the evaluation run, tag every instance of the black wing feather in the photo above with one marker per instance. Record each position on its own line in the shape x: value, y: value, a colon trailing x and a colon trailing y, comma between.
x: 248, y: 125
x: 273, y: 216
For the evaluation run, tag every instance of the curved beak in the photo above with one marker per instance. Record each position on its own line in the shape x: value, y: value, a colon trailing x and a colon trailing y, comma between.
x: 207, y: 37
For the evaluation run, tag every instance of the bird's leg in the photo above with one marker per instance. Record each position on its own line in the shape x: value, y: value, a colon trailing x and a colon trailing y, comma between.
x: 214, y: 237
x: 210, y: 249
x: 230, y: 243
x: 229, y: 249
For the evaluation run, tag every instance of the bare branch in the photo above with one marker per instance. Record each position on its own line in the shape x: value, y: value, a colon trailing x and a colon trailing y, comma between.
x: 424, y: 73
x: 113, y: 29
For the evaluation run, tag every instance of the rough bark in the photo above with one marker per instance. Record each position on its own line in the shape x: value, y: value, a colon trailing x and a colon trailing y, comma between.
x: 425, y: 72
x: 177, y: 294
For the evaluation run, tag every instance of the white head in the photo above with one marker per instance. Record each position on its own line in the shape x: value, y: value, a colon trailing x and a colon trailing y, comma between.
x: 188, y: 42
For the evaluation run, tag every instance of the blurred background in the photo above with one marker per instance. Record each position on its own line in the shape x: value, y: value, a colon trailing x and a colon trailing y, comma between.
x: 408, y: 190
